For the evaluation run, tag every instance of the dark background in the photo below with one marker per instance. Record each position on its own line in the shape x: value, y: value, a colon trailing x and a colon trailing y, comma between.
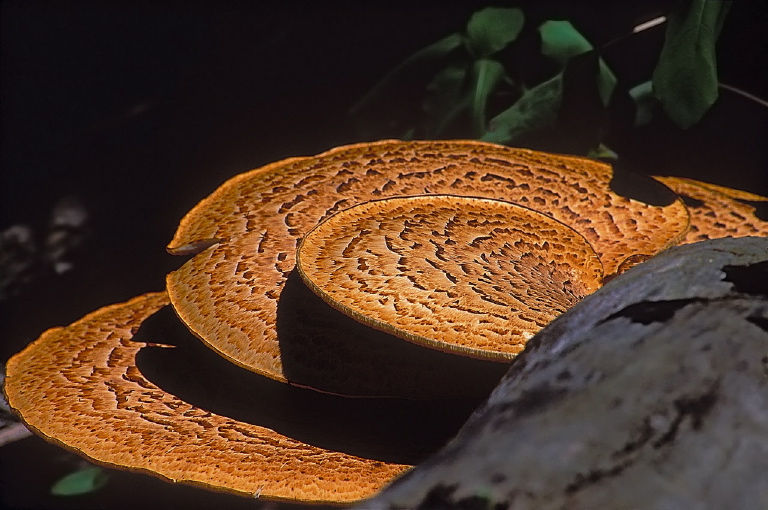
x: 140, y: 109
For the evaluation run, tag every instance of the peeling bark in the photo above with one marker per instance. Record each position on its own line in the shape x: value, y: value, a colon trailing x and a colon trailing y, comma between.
x: 651, y: 393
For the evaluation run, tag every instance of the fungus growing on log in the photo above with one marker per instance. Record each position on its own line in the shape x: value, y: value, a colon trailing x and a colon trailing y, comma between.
x: 229, y: 294
x: 614, y: 405
x: 473, y: 276
x: 515, y: 236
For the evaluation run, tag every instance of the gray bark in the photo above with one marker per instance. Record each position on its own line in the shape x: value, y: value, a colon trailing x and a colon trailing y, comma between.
x: 651, y: 393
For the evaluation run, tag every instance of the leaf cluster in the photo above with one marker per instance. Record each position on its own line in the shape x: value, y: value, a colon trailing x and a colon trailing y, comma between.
x: 467, y: 85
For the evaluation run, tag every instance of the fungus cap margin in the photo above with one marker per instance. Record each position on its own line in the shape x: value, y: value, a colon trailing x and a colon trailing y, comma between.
x: 78, y: 386
x: 228, y: 294
x: 473, y: 276
x: 722, y: 211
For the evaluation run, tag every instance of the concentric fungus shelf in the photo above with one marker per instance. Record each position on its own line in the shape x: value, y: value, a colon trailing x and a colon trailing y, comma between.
x: 717, y: 211
x: 79, y: 387
x: 229, y: 293
x: 473, y: 276
x: 490, y: 243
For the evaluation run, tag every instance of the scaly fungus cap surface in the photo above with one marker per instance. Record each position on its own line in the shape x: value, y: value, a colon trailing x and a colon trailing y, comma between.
x: 228, y: 294
x: 473, y: 276
x: 78, y: 386
x: 717, y: 211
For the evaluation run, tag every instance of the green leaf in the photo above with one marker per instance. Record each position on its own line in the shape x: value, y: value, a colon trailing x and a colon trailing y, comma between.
x: 492, y: 29
x: 487, y: 74
x: 445, y: 99
x: 535, y: 111
x: 408, y: 134
x: 432, y: 55
x: 445, y: 89
x: 603, y: 152
x: 563, y: 114
x: 685, y: 78
x: 560, y: 41
x: 645, y: 102
x: 606, y: 82
x: 82, y: 481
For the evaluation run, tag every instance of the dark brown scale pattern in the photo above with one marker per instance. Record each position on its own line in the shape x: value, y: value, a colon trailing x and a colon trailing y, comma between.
x: 722, y: 211
x: 97, y: 402
x: 234, y: 311
x: 79, y: 386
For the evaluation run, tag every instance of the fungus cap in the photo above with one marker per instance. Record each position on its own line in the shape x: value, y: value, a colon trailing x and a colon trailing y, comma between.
x: 78, y: 386
x: 474, y: 276
x: 228, y: 294
x: 717, y: 211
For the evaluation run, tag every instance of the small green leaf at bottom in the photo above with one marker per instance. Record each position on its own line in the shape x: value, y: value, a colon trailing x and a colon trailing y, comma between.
x: 82, y: 481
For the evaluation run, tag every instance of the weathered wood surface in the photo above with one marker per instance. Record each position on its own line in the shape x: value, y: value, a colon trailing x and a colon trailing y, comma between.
x: 650, y: 394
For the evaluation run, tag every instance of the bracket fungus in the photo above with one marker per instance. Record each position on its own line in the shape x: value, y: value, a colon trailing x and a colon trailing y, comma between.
x: 473, y: 276
x: 464, y: 248
x: 717, y: 211
x: 78, y: 386
x: 229, y: 294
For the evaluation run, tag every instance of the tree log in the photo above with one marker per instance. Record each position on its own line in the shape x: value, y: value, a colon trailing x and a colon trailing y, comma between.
x: 652, y: 393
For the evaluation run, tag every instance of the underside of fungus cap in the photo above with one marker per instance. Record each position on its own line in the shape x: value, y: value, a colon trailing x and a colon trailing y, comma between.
x: 229, y: 294
x: 473, y: 276
x: 717, y: 211
x: 79, y: 386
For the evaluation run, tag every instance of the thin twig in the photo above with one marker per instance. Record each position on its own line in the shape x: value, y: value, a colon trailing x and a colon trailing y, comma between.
x: 743, y: 93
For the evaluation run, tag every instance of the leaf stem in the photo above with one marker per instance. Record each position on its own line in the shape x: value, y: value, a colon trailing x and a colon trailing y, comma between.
x: 743, y: 93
